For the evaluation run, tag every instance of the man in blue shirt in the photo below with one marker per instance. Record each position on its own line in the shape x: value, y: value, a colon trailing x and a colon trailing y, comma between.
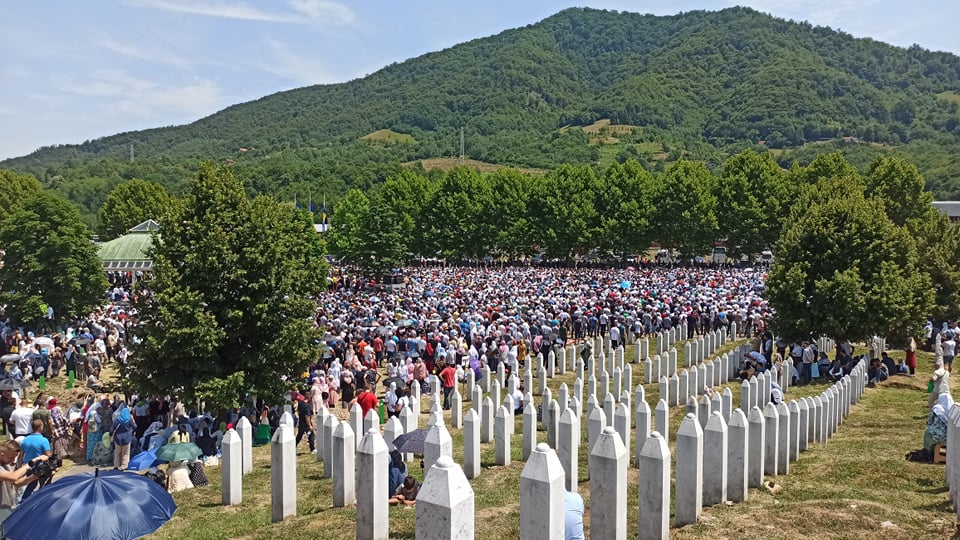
x: 32, y: 447
x: 573, y: 516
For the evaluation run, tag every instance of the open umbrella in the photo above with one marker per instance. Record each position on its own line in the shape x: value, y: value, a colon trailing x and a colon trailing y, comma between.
x: 43, y: 342
x: 112, y: 504
x: 411, y: 443
x: 13, y: 384
x: 179, y: 452
x: 12, y: 357
x: 144, y: 460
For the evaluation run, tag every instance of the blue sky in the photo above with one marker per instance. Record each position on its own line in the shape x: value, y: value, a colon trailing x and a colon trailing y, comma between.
x: 72, y: 71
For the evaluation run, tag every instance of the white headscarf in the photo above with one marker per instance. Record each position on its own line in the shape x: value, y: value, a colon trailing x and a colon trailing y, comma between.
x: 943, y: 405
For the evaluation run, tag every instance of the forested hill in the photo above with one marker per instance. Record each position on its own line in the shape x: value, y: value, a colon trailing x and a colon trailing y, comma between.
x: 582, y: 86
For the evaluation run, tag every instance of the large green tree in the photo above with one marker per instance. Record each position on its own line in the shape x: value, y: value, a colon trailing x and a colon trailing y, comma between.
x: 231, y: 291
x: 686, y: 209
x: 749, y: 193
x: 565, y: 213
x: 845, y: 270
x: 625, y: 203
x: 131, y: 203
x: 49, y: 261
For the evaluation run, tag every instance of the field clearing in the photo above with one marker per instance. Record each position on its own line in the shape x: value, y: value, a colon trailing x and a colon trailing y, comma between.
x: 952, y: 97
x: 604, y: 126
x: 389, y: 136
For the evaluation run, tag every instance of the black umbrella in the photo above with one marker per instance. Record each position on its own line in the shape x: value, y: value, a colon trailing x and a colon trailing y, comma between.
x: 411, y: 443
x: 13, y: 384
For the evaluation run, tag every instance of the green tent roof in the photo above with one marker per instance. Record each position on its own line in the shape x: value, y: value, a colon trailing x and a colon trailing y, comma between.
x: 129, y: 252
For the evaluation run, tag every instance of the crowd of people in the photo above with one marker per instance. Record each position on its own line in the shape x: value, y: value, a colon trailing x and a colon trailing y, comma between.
x: 429, y: 326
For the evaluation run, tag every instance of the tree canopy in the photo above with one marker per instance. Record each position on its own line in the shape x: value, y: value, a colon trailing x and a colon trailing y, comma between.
x: 863, y: 256
x: 48, y: 261
x: 231, y: 291
x: 130, y: 204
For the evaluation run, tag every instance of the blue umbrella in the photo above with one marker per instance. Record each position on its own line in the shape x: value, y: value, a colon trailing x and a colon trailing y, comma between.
x: 111, y: 505
x: 144, y: 460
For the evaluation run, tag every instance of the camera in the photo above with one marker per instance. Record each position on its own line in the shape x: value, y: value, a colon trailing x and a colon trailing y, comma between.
x: 45, y: 469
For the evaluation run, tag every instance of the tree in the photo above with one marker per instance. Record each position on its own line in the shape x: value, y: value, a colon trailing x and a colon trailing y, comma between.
x: 231, y: 291
x: 456, y: 215
x: 409, y: 195
x: 130, y: 204
x: 49, y: 260
x: 508, y: 217
x: 625, y: 206
x: 685, y: 218
x: 345, y: 226
x: 222, y: 394
x: 14, y: 189
x: 843, y: 269
x: 749, y: 195
x: 384, y: 239
x: 565, y: 214
x: 900, y: 186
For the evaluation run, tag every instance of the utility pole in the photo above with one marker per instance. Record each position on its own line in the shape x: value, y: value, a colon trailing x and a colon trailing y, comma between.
x: 131, y: 152
x: 462, y: 160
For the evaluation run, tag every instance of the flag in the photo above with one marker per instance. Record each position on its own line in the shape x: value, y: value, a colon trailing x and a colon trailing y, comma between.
x: 324, y: 222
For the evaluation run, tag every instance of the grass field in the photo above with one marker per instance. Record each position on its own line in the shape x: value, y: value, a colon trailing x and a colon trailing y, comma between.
x: 604, y: 126
x: 952, y: 97
x: 389, y: 136
x: 856, y: 485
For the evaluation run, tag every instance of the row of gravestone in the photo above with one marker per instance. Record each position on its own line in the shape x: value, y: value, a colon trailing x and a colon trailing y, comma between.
x: 340, y: 449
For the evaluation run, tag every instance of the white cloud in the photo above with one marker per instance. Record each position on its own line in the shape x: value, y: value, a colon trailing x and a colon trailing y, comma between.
x: 118, y: 91
x: 300, y: 11
x: 293, y: 66
x: 162, y: 54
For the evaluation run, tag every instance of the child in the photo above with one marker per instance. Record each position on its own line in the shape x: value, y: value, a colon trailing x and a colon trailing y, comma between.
x: 406, y: 493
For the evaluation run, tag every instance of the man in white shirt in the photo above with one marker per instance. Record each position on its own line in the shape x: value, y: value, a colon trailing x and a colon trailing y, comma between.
x: 21, y: 418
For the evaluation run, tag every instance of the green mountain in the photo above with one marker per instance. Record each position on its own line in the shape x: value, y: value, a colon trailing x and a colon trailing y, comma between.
x: 582, y: 86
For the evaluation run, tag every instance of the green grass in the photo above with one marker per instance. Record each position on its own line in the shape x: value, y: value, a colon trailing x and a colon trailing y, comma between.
x: 952, y: 97
x: 388, y: 136
x: 842, y: 489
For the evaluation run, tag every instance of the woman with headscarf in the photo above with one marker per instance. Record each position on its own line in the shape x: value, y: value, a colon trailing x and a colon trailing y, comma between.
x: 939, y: 383
x: 409, y: 371
x: 62, y: 436
x: 911, y: 356
x: 316, y: 394
x: 122, y: 436
x: 936, y: 431
x: 347, y: 387
x: 391, y: 399
x: 94, y: 431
